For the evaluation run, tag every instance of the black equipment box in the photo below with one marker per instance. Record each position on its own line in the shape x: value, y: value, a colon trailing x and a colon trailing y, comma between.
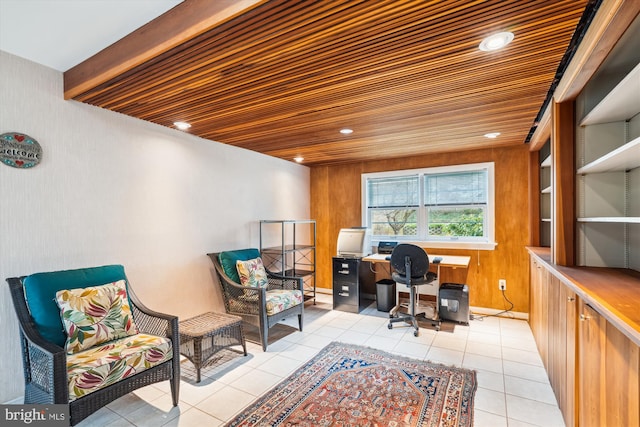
x: 454, y: 302
x: 386, y: 247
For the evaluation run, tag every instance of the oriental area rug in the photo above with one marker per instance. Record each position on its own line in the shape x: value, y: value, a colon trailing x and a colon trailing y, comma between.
x: 349, y: 385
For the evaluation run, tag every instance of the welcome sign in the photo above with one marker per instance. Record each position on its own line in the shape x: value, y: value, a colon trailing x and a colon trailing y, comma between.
x: 19, y: 150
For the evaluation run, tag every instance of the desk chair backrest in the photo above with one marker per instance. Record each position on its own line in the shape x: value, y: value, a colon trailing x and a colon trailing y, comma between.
x: 410, y: 261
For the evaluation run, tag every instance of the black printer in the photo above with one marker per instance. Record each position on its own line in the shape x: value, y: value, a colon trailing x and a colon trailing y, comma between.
x: 386, y: 247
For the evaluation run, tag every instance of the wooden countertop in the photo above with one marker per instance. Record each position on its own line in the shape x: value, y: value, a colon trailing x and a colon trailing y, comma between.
x: 612, y: 292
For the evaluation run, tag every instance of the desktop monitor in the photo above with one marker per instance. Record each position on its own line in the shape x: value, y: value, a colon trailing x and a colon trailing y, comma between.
x: 354, y: 242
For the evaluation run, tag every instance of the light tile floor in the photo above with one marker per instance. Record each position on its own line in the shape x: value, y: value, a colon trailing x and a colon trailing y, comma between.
x: 513, y: 388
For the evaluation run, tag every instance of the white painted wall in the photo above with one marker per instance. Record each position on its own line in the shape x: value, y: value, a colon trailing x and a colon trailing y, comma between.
x: 113, y: 189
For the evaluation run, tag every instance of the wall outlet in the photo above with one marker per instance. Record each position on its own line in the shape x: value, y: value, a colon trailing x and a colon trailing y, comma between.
x: 502, y: 284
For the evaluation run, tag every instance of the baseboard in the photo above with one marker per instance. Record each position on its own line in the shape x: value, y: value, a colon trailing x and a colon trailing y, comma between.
x: 483, y: 311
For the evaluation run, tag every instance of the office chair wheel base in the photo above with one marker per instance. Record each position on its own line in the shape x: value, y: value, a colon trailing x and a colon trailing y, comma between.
x: 415, y: 333
x: 390, y: 326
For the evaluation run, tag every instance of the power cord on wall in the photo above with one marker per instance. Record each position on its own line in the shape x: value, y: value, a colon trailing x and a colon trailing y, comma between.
x: 504, y: 295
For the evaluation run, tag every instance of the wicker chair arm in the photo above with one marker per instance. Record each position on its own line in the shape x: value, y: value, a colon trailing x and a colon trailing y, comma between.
x: 238, y: 299
x: 248, y: 299
x: 44, y: 362
x: 151, y: 321
x: 27, y: 326
x: 231, y: 287
x: 35, y: 339
x: 45, y: 367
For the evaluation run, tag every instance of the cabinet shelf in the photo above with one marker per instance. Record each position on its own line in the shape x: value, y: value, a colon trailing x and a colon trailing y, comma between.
x: 544, y: 196
x: 623, y: 158
x: 287, y: 248
x: 621, y: 103
x: 298, y: 272
x: 611, y: 219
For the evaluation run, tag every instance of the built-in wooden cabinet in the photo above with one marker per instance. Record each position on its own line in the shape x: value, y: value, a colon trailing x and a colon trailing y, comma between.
x: 592, y: 358
x: 608, y: 170
x: 585, y: 287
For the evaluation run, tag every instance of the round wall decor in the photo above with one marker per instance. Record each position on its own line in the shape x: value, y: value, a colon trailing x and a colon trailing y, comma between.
x: 19, y: 150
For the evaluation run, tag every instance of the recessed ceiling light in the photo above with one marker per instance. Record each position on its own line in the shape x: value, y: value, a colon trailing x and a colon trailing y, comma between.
x: 492, y: 135
x: 346, y: 131
x: 182, y: 125
x: 496, y: 41
x: 298, y: 159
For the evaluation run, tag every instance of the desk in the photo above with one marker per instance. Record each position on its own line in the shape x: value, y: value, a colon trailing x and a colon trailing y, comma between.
x: 453, y: 261
x: 449, y: 261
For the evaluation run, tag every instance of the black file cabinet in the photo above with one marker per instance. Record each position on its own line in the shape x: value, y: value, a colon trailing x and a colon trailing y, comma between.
x: 353, y: 284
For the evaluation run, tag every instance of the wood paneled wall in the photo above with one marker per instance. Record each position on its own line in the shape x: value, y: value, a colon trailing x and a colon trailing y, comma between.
x: 336, y: 203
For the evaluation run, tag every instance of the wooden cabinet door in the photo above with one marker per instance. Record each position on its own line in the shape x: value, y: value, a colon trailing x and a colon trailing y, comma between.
x: 592, y: 343
x: 609, y: 389
x: 539, y: 308
x: 622, y: 391
x: 561, y: 360
x: 566, y: 365
x: 556, y: 357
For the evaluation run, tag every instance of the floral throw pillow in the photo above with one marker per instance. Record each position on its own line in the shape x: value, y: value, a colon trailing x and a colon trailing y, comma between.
x: 95, y: 315
x: 252, y: 273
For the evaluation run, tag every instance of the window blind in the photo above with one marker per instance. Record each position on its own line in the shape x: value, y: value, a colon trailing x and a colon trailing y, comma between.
x: 459, y: 188
x: 393, y: 192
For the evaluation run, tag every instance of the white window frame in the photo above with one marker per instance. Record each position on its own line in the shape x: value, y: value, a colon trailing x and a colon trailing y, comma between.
x: 486, y: 243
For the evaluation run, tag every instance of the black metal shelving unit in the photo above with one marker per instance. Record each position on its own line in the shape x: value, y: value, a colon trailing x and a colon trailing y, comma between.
x: 289, y: 247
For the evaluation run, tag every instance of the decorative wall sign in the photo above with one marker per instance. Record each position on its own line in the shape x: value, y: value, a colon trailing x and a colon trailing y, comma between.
x: 19, y: 150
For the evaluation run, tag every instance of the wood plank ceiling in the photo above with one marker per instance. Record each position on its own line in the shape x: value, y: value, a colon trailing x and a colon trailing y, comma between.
x: 285, y: 76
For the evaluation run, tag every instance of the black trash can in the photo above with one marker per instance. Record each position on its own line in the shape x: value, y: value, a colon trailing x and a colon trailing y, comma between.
x: 385, y: 294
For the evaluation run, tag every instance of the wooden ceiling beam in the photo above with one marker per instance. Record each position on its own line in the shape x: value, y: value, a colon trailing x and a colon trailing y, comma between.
x: 611, y: 21
x: 185, y: 21
x: 542, y: 132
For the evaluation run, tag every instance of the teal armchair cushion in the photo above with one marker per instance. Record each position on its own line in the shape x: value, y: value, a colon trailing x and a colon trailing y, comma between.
x: 228, y: 261
x: 40, y: 292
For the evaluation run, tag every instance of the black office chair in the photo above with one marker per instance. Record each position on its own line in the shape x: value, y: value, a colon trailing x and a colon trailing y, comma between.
x: 411, y: 267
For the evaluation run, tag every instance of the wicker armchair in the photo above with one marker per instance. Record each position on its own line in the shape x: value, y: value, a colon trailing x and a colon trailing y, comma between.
x: 251, y: 303
x: 45, y: 362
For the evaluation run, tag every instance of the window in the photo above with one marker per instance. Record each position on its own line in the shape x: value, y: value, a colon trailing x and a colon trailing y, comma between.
x: 448, y: 206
